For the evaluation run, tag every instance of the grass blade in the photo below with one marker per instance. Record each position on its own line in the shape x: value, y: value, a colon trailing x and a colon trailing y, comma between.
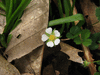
x: 10, y: 8
x: 73, y: 4
x: 66, y: 19
x: 9, y: 38
x: 2, y: 6
x: 16, y: 4
x: 67, y: 10
x: 7, y: 9
x: 60, y: 8
x: 61, y: 14
x: 17, y: 21
x: 14, y: 16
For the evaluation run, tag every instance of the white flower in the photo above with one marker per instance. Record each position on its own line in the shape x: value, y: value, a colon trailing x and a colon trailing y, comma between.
x: 57, y: 41
x: 51, y: 37
x: 44, y: 37
x: 50, y: 44
x: 57, y: 34
x: 48, y: 30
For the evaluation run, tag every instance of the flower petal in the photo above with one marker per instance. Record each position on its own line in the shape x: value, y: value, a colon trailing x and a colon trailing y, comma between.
x: 57, y: 33
x: 50, y: 44
x: 44, y: 37
x: 57, y: 41
x: 49, y: 30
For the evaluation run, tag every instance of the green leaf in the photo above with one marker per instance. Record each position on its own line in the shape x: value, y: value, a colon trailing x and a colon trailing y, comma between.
x: 93, y: 46
x: 85, y: 34
x: 66, y: 19
x: 94, y: 37
x: 80, y: 23
x: 9, y: 38
x: 87, y: 42
x: 97, y: 73
x: 99, y: 68
x: 98, y: 13
x: 77, y: 40
x: 69, y: 35
x: 2, y: 40
x: 75, y: 30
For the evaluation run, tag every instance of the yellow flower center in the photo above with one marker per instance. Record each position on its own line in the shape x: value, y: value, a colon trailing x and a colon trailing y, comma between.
x: 52, y: 37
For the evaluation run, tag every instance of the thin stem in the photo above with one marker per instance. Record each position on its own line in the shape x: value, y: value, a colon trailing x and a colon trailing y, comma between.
x: 95, y: 23
x: 64, y: 39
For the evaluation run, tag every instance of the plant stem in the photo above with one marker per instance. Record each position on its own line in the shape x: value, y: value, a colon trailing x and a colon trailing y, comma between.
x: 95, y: 23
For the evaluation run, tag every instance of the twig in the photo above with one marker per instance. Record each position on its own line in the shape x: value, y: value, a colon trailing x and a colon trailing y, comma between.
x: 64, y: 39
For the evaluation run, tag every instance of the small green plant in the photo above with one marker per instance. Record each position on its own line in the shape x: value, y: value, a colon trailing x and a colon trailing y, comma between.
x: 86, y: 63
x: 98, y: 13
x: 74, y: 34
x: 95, y: 37
x: 14, y: 10
x: 95, y: 41
x: 97, y: 62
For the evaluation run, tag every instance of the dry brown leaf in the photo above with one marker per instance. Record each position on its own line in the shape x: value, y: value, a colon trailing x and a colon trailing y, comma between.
x: 27, y: 74
x: 88, y: 57
x: 2, y: 21
x: 33, y: 25
x: 31, y: 63
x: 6, y: 68
x: 88, y: 9
x: 71, y: 52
